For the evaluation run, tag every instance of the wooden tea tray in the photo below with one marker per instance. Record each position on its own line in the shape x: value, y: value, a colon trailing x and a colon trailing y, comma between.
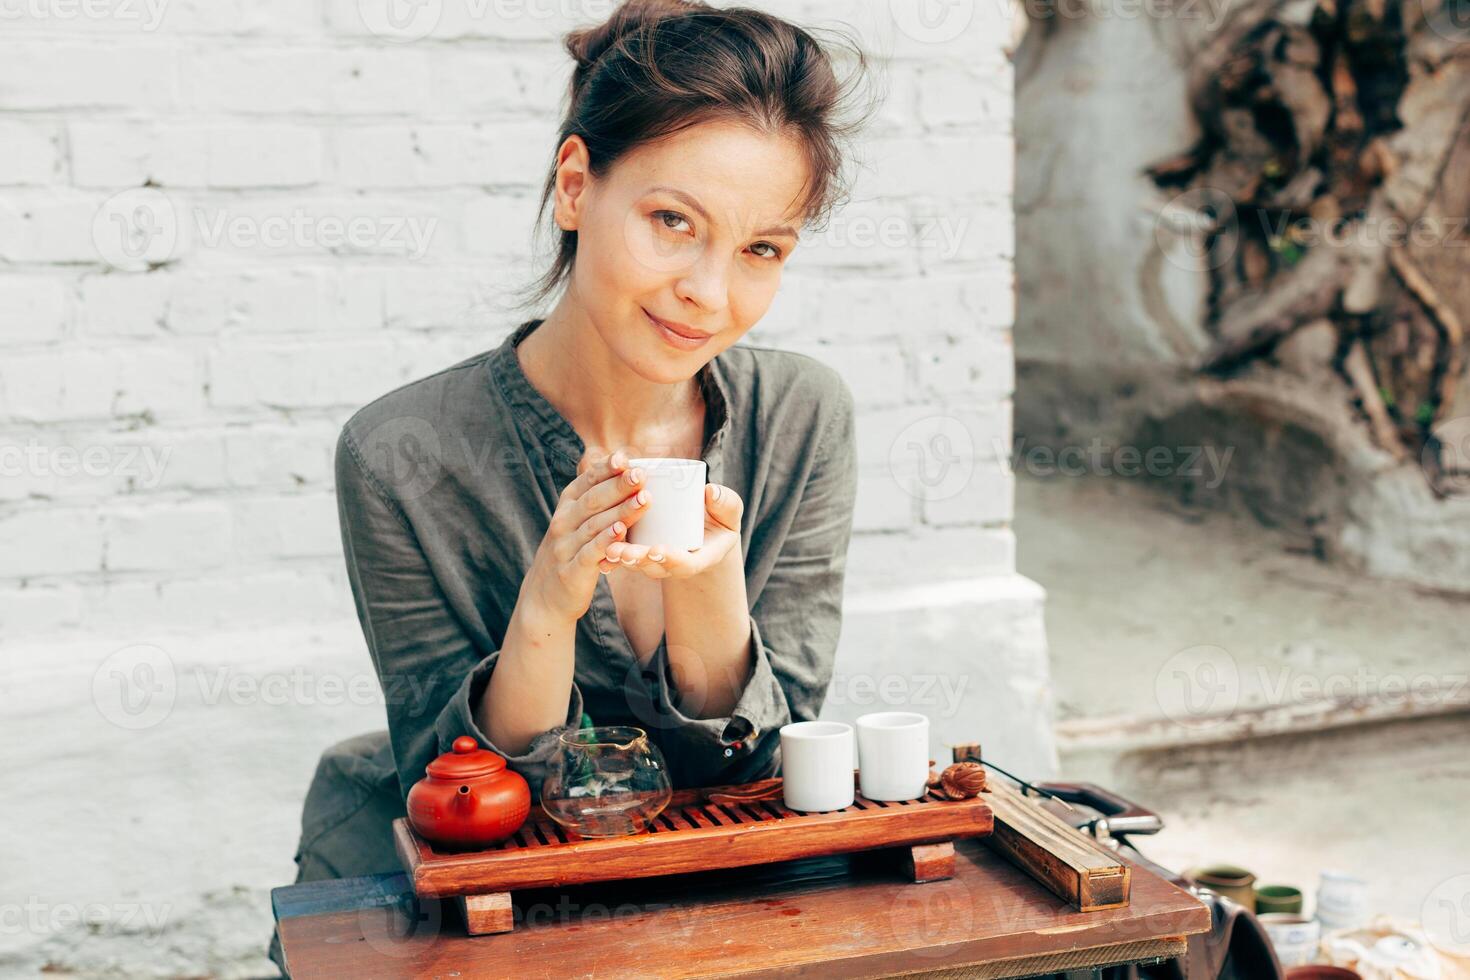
x: 693, y: 833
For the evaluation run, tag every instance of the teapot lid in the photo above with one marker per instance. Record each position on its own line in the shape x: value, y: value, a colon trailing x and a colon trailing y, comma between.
x: 466, y: 761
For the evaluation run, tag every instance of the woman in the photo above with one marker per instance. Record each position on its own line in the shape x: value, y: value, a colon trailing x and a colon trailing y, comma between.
x: 485, y: 509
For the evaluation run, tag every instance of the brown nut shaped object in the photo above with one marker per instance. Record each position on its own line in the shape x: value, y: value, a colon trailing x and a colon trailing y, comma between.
x: 962, y: 780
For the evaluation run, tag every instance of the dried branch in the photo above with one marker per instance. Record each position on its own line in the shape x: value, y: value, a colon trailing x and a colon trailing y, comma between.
x: 1307, y: 292
x: 1360, y: 372
x: 1451, y: 331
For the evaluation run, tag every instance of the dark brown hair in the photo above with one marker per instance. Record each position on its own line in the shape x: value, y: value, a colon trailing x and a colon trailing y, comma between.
x: 657, y: 67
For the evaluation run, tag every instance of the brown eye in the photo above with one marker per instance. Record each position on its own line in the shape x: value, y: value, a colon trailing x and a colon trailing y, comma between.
x: 662, y: 217
x: 775, y: 253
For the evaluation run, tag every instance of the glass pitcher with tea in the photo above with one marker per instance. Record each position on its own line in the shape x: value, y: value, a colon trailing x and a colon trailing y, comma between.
x: 606, y: 781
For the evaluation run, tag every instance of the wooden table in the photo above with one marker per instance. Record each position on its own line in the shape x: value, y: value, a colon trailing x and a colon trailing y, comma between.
x: 849, y: 915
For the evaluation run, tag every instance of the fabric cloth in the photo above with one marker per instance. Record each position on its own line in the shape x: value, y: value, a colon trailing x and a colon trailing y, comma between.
x: 445, y: 489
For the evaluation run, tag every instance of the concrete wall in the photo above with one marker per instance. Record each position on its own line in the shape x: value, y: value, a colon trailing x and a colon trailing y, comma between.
x: 1112, y: 288
x: 223, y: 227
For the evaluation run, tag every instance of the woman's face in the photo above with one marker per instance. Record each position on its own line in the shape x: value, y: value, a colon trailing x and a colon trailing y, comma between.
x: 693, y: 230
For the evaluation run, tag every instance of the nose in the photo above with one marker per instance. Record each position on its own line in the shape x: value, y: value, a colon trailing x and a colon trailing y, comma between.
x: 705, y: 283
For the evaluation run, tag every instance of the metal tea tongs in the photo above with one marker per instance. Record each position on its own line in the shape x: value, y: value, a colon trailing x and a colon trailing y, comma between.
x: 970, y: 752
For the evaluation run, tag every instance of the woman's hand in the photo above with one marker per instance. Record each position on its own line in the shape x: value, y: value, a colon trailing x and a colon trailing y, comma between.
x: 723, y: 511
x: 594, y: 511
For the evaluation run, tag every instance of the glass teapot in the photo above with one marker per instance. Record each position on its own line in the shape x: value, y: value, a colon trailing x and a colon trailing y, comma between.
x: 606, y: 781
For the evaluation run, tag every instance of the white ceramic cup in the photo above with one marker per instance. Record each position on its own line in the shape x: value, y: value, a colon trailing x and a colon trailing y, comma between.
x: 1294, y: 937
x: 816, y: 766
x: 1342, y: 900
x: 675, y: 515
x: 893, y: 755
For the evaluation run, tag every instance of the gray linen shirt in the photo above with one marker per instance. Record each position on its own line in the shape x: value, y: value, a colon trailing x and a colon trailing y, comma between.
x: 446, y: 487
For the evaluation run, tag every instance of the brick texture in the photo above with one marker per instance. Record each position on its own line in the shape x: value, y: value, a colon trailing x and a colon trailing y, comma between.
x: 225, y: 225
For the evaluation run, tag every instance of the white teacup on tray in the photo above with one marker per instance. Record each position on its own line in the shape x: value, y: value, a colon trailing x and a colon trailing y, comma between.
x: 675, y: 515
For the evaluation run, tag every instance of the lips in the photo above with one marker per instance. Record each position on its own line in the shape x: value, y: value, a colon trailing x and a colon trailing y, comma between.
x: 677, y: 338
x: 687, y: 332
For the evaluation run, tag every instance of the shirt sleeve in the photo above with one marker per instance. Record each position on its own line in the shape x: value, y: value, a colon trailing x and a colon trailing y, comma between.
x: 794, y: 629
x: 430, y: 669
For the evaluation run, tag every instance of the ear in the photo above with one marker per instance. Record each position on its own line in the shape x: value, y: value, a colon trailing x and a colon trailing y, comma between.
x: 572, y: 175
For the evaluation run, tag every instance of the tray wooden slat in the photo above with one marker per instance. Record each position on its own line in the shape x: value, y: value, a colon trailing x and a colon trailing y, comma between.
x: 691, y: 834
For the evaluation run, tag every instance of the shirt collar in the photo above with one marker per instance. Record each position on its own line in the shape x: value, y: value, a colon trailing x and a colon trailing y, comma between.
x: 537, y: 416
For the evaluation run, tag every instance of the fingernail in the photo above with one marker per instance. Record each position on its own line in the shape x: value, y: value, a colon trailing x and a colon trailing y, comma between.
x: 630, y: 561
x: 618, y: 527
x: 638, y: 475
x: 642, y: 497
x: 656, y: 557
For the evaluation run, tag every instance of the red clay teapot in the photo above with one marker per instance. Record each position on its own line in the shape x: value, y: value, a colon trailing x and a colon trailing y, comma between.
x: 469, y: 799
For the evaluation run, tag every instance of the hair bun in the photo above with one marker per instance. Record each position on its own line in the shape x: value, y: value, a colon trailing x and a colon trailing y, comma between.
x: 588, y: 44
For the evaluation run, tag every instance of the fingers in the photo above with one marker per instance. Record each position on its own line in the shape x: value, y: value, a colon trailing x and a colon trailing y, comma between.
x: 724, y: 505
x: 592, y: 470
x: 640, y: 558
x: 607, y: 493
x: 634, y: 554
x: 592, y: 553
x: 647, y: 569
x: 629, y: 512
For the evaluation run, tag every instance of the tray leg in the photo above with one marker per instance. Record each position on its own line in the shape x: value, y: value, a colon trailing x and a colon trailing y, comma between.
x: 931, y: 862
x: 486, y: 914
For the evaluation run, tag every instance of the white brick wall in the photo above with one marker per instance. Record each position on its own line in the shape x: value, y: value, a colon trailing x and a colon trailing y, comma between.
x: 236, y: 357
